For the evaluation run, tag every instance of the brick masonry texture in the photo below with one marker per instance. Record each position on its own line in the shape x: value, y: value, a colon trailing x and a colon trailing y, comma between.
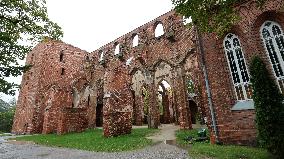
x: 69, y: 89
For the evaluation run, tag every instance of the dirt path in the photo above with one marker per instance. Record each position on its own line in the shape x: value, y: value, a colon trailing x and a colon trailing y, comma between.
x: 167, y: 133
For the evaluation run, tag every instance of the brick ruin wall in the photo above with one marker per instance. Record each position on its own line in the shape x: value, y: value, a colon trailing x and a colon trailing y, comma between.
x: 68, y: 89
x: 152, y: 60
x: 45, y: 88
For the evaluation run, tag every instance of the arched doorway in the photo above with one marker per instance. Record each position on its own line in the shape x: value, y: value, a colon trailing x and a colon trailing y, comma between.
x: 100, y: 104
x: 193, y: 111
x: 165, y: 103
x: 145, y: 111
x: 194, y: 107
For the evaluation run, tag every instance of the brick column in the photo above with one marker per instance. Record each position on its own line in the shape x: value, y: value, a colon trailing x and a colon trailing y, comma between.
x: 180, y: 98
x: 118, y: 108
x: 91, y: 112
x: 154, y: 115
x: 139, y: 104
x: 166, y: 110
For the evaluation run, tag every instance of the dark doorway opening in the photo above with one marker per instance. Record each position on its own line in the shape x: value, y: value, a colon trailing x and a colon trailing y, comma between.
x: 99, y: 115
x: 193, y: 110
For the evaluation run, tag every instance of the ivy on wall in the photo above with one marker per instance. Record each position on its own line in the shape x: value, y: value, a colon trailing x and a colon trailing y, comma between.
x: 269, y: 108
x: 211, y: 15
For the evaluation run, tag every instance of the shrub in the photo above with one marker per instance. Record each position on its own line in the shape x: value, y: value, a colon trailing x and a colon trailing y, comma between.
x: 6, y: 120
x: 269, y: 108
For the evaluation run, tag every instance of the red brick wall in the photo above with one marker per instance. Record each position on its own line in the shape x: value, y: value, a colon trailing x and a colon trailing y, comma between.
x: 147, y: 57
x: 237, y: 126
x: 47, y: 97
x: 72, y: 120
x: 43, y: 84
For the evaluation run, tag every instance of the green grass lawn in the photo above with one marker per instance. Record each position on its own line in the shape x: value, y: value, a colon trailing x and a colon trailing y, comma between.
x: 4, y: 134
x: 93, y: 140
x: 205, y: 150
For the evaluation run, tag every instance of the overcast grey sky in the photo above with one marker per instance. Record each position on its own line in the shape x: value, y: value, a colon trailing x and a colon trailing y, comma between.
x: 89, y: 24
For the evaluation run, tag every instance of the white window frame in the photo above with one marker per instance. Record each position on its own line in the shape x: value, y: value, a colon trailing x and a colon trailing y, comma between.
x: 242, y: 83
x: 280, y: 79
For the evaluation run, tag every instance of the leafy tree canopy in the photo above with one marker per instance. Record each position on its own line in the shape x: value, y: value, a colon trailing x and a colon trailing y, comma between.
x: 210, y: 15
x: 3, y: 106
x: 23, y: 23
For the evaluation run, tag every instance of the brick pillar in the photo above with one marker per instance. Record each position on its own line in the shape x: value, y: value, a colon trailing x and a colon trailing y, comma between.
x: 166, y: 110
x: 91, y: 113
x: 61, y: 127
x: 46, y: 123
x: 139, y: 104
x: 118, y: 108
x: 154, y: 115
x: 180, y: 98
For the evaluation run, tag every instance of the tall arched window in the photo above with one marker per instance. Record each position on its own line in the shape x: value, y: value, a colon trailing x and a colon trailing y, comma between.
x: 101, y: 54
x: 61, y: 57
x: 238, y: 67
x: 135, y: 40
x: 117, y: 49
x: 159, y: 30
x: 273, y: 39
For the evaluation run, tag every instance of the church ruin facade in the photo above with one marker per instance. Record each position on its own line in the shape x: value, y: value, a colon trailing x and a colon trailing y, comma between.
x: 161, y: 72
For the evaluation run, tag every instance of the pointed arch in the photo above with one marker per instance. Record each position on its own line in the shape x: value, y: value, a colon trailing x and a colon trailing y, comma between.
x: 238, y: 67
x: 273, y: 40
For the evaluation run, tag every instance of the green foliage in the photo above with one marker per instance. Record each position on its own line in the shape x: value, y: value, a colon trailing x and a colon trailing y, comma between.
x: 6, y: 120
x: 202, y: 150
x: 190, y: 86
x: 23, y: 23
x: 4, y: 106
x: 93, y: 140
x: 182, y: 134
x: 207, y: 150
x: 269, y: 108
x: 210, y: 15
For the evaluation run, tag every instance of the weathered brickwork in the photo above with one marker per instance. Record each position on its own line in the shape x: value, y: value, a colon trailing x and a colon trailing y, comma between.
x: 68, y: 89
x: 46, y: 88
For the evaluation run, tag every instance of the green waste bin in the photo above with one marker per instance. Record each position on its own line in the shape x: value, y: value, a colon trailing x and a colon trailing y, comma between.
x: 201, y: 132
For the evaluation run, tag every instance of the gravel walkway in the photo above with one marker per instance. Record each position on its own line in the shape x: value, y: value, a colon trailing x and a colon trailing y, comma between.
x: 30, y: 151
x: 24, y: 150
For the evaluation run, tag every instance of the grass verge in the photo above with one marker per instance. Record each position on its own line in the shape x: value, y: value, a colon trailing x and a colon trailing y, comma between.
x: 205, y: 150
x: 5, y: 134
x: 93, y: 140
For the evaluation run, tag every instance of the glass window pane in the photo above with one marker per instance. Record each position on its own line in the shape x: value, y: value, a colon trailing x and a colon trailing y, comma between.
x: 237, y: 65
x: 249, y: 91
x: 272, y: 36
x: 274, y: 49
x: 240, y: 94
x: 276, y: 30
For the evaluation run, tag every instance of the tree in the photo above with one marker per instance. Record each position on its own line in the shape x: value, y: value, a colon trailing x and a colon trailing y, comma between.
x: 269, y: 108
x: 23, y: 23
x: 6, y: 120
x: 210, y: 15
x: 4, y: 106
x: 12, y: 102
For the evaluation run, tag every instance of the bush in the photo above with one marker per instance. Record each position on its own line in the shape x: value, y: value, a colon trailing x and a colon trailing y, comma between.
x: 6, y: 120
x: 269, y: 108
